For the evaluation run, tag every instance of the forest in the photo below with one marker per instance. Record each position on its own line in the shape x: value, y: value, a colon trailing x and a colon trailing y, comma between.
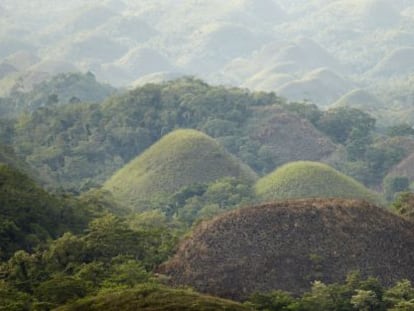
x: 207, y: 155
x: 69, y: 230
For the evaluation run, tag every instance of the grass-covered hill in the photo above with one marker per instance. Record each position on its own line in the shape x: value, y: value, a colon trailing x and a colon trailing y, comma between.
x: 305, y: 179
x: 287, y: 245
x: 154, y: 297
x: 360, y: 99
x: 80, y: 145
x: 181, y: 158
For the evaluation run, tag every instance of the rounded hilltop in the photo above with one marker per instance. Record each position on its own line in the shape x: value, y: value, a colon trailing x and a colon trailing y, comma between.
x: 181, y: 158
x: 305, y: 179
x: 153, y: 297
x: 288, y: 245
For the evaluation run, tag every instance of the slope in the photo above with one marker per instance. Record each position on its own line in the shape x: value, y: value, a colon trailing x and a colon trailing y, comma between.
x: 181, y: 158
x: 288, y: 245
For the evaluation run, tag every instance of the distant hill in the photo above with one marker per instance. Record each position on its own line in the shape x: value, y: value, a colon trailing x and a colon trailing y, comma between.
x: 181, y: 158
x: 288, y: 245
x: 321, y: 86
x: 298, y: 57
x: 310, y: 180
x: 61, y: 89
x: 268, y: 80
x: 361, y: 99
x: 153, y: 297
x: 22, y: 60
x: 399, y: 62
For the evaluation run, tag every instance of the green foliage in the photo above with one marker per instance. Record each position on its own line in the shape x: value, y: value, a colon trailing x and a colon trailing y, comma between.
x: 108, y: 256
x: 342, y: 123
x: 364, y: 300
x: 404, y: 204
x: 30, y: 215
x: 354, y: 294
x: 310, y: 180
x: 59, y: 290
x: 370, y: 164
x: 13, y: 300
x: 222, y: 195
x: 273, y: 301
x: 78, y: 146
x: 400, y: 296
x: 181, y: 158
x: 64, y: 88
x: 126, y: 274
x: 307, y: 111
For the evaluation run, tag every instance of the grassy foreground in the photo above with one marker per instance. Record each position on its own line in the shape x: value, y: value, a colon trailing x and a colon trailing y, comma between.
x: 154, y: 297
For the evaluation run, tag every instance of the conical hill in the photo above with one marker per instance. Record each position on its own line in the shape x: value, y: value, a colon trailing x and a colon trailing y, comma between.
x: 181, y: 158
x: 305, y: 179
x: 288, y: 245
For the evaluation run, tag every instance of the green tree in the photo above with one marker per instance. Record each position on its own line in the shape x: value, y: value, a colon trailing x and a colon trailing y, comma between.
x: 273, y: 301
x: 404, y: 204
x: 60, y: 289
x: 344, y: 124
x: 126, y: 273
x: 364, y: 300
x: 400, y: 296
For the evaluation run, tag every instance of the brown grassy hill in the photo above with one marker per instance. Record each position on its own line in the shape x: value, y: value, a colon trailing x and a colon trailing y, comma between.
x: 287, y: 245
x: 286, y: 137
